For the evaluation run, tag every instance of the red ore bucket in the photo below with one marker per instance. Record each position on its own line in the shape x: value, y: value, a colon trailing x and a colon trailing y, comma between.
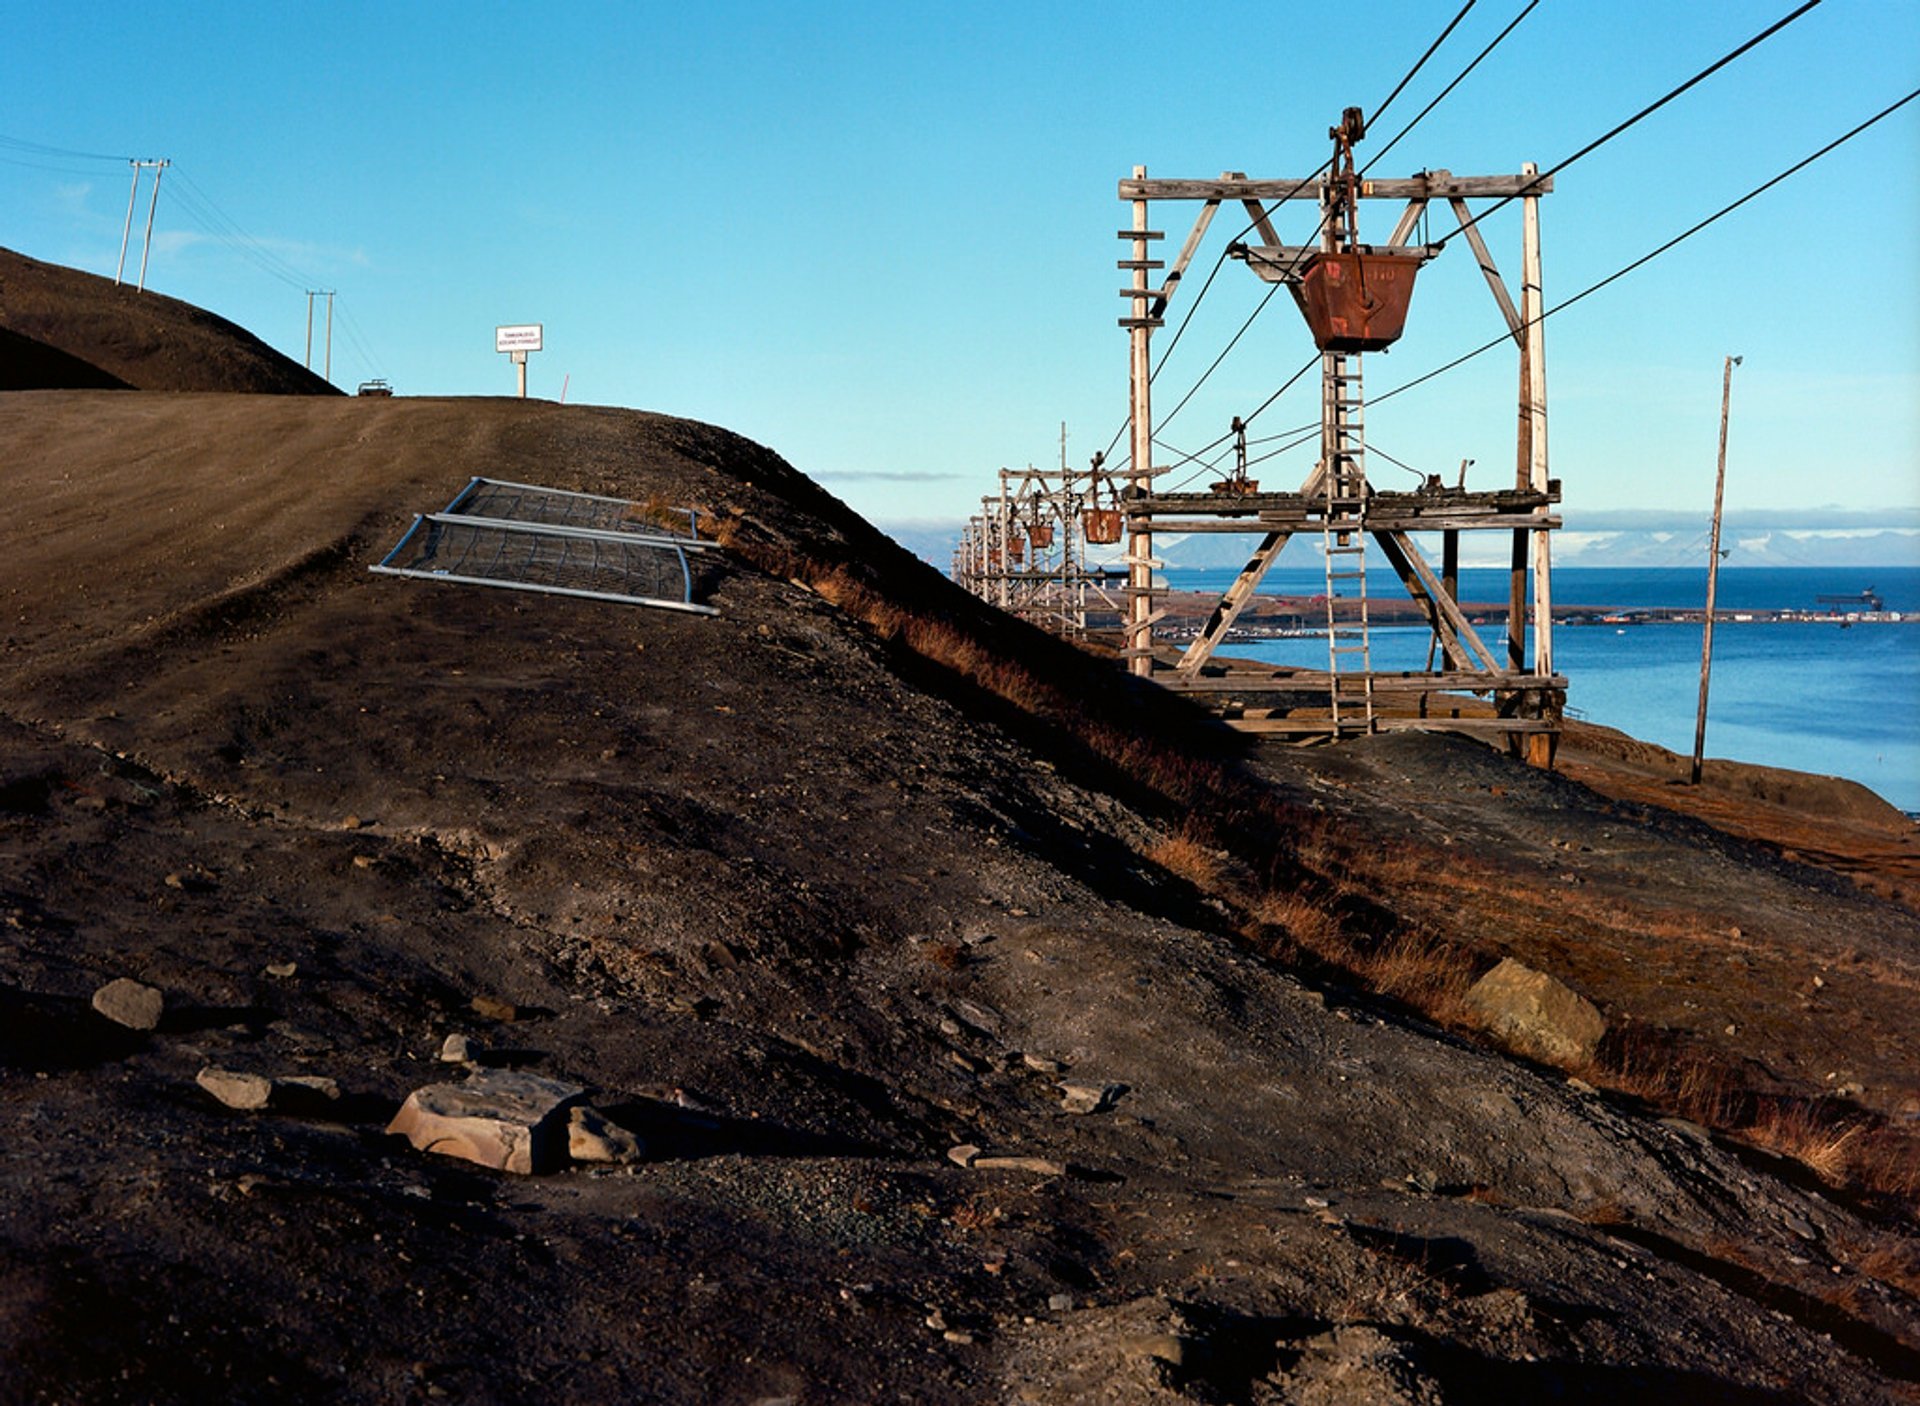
x: 1356, y: 302
x: 1041, y: 534
x: 1103, y: 525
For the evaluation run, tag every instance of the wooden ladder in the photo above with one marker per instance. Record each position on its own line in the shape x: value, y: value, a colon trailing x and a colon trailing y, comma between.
x: 1344, y: 547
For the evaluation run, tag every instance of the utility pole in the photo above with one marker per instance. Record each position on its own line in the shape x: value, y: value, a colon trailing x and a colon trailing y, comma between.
x: 326, y: 293
x: 126, y: 230
x: 1713, y: 571
x: 146, y: 246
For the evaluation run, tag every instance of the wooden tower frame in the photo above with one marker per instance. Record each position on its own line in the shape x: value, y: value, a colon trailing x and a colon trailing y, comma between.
x: 1337, y: 503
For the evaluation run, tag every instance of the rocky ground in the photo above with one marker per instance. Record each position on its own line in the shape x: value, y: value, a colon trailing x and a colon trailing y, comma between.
x: 812, y: 912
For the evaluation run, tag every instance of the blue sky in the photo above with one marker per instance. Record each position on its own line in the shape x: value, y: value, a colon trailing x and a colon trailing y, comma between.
x: 880, y: 238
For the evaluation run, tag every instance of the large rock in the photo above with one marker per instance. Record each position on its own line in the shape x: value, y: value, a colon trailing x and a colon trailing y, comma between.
x: 511, y: 1121
x: 1536, y: 1015
x: 131, y: 1003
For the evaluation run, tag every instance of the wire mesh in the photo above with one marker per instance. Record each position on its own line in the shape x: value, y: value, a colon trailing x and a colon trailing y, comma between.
x: 500, y: 501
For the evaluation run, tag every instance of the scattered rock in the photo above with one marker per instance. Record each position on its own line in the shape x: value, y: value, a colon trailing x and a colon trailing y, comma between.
x: 458, y: 1049
x: 234, y: 1089
x: 1089, y: 1098
x: 508, y: 1120
x: 283, y: 970
x: 1536, y: 1015
x: 130, y: 1003
x: 1041, y: 1064
x: 594, y: 1137
x: 1059, y: 1303
x: 965, y: 1155
x: 1040, y: 1166
x: 250, y: 1092
x: 492, y: 1008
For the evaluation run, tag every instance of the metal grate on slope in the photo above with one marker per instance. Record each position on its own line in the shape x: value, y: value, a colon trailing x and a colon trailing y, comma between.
x: 501, y: 501
x: 548, y: 546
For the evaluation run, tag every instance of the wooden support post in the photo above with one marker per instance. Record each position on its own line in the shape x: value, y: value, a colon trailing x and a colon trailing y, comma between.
x: 1139, y: 634
x: 1532, y: 309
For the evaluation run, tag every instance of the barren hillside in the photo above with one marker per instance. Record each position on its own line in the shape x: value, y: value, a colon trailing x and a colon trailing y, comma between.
x: 64, y: 329
x: 812, y: 895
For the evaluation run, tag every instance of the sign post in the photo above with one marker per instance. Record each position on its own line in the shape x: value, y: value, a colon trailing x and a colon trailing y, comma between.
x: 517, y: 342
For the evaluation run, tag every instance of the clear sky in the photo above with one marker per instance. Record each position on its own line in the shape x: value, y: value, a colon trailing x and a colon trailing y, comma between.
x: 880, y: 237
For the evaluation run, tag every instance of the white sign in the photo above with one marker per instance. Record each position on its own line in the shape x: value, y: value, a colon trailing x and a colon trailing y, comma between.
x: 517, y: 339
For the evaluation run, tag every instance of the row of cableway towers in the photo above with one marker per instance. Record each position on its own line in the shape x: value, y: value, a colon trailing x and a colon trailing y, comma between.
x: 1027, y: 550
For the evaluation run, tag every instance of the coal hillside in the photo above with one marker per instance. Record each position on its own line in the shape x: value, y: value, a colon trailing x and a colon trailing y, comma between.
x: 947, y: 1020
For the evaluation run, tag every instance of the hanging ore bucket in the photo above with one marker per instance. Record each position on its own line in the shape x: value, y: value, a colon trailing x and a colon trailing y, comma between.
x: 1103, y: 525
x: 1016, y: 547
x: 1356, y: 301
x: 1040, y: 534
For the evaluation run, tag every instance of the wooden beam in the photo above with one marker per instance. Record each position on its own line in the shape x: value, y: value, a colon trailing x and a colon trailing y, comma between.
x: 1446, y: 605
x: 1429, y: 187
x: 1179, y: 270
x: 1494, y: 281
x: 1233, y: 602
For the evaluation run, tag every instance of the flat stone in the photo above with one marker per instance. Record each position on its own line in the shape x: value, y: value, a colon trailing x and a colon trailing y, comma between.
x: 1536, y: 1015
x: 493, y: 1008
x: 1089, y: 1098
x: 234, y: 1089
x: 504, y: 1119
x: 1042, y: 1064
x: 594, y: 1137
x: 965, y: 1155
x: 1040, y: 1166
x: 131, y: 1003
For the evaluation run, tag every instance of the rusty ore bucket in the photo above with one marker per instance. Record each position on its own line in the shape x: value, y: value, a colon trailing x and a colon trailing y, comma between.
x: 1356, y: 302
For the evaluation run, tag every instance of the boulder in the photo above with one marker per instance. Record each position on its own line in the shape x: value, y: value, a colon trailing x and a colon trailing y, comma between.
x: 130, y: 1003
x: 594, y: 1137
x: 1536, y: 1015
x: 504, y: 1119
x: 235, y: 1089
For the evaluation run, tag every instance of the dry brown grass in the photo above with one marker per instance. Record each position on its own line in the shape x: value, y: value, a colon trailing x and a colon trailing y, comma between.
x: 1188, y: 858
x: 1798, y: 1130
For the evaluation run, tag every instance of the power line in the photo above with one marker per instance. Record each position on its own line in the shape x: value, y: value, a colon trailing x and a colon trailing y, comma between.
x: 1459, y: 78
x: 1644, y: 112
x: 41, y: 149
x: 1368, y: 122
x: 1648, y: 257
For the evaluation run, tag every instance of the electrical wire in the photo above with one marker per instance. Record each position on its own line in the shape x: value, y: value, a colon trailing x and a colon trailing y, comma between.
x: 1644, y: 112
x: 1459, y: 78
x: 1401, y: 85
x: 41, y: 149
x: 1648, y: 257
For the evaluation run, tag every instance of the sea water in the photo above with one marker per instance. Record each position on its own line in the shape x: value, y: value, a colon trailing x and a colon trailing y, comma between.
x: 1838, y: 700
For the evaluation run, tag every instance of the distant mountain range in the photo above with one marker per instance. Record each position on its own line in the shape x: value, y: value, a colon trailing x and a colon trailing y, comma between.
x: 1819, y: 537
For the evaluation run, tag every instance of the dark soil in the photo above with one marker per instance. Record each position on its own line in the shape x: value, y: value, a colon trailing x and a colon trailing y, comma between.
x: 63, y: 329
x: 805, y: 910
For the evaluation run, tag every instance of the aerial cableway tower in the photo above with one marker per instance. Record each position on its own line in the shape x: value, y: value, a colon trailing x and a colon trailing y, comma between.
x: 1355, y: 299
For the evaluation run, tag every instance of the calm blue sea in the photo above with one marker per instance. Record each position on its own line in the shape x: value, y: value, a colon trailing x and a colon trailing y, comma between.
x: 1813, y: 697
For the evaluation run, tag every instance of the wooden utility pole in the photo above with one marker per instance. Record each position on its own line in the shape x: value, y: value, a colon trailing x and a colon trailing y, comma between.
x: 1139, y: 631
x: 1713, y: 572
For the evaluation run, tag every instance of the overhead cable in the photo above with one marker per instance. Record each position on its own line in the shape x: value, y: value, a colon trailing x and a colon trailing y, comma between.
x: 1644, y: 112
x: 1648, y: 257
